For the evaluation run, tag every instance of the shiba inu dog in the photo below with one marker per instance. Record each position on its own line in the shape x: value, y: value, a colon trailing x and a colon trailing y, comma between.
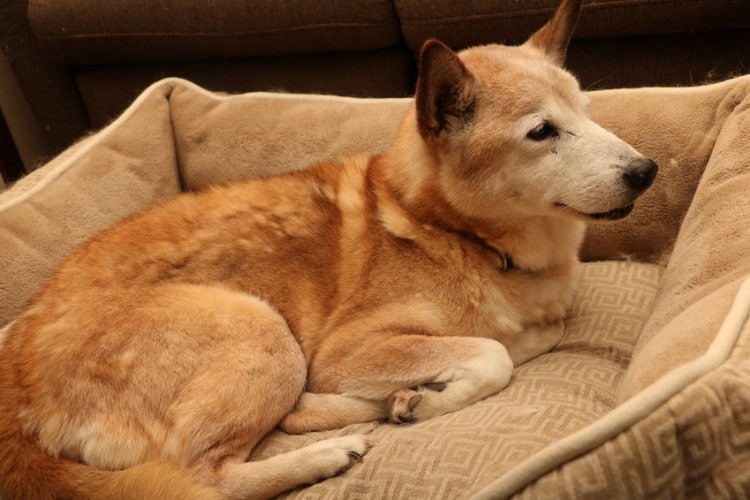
x: 401, y: 286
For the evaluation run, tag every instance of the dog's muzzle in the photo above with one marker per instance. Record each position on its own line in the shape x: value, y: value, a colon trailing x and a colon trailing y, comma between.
x: 637, y: 177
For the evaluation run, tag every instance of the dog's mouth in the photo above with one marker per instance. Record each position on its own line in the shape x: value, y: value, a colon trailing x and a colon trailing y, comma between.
x: 615, y: 214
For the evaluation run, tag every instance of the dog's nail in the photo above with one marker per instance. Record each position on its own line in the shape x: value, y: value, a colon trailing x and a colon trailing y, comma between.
x: 436, y: 386
x: 354, y: 456
x: 407, y: 420
x: 414, y: 401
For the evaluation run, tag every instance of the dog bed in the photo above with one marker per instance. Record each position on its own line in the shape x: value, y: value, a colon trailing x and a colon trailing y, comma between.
x: 648, y: 393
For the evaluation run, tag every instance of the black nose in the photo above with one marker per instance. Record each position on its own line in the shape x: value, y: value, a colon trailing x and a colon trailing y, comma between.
x: 640, y: 174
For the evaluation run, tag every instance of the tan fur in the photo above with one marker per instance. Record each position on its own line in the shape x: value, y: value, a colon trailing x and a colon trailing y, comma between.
x: 402, y: 286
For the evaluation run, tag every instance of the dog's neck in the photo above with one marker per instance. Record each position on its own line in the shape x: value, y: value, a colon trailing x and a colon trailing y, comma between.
x: 410, y: 196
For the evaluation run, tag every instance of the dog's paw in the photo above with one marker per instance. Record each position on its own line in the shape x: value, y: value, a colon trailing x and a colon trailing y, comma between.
x: 335, y: 456
x: 401, y: 405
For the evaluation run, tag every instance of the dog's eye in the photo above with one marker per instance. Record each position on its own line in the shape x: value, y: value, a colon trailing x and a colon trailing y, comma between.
x: 542, y: 132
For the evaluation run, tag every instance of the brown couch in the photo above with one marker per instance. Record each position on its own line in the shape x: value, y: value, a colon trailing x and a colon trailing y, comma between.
x: 80, y: 62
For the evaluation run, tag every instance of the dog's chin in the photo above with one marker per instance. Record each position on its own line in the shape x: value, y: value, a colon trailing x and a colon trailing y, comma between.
x: 614, y: 214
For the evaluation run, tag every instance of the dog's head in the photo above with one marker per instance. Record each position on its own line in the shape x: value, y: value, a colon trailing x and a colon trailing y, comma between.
x: 509, y: 124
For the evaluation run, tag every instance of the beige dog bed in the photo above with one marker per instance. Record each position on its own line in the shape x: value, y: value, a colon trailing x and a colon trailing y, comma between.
x: 648, y: 394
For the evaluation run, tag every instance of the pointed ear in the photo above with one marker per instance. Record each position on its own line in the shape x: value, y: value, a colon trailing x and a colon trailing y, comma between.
x: 553, y: 37
x: 446, y: 91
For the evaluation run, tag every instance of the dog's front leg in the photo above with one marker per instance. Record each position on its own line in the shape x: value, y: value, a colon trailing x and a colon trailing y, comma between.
x: 457, y: 386
x: 417, y: 376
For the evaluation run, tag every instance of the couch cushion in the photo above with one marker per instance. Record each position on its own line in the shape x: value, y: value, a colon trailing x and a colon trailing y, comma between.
x: 473, y: 22
x: 108, y: 89
x: 86, y: 31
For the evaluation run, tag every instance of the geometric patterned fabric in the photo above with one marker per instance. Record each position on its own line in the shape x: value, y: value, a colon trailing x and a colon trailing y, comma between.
x: 695, y: 445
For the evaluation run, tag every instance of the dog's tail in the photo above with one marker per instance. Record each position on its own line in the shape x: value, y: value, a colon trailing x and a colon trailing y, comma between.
x: 27, y: 471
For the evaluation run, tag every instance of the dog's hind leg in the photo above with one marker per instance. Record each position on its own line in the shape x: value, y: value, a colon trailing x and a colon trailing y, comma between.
x: 247, y: 372
x: 331, y: 411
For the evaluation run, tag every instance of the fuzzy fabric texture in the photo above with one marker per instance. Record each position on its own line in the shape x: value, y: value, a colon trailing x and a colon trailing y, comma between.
x: 647, y: 312
x: 711, y: 254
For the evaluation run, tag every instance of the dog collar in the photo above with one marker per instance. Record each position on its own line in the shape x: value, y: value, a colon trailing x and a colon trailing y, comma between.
x: 507, y: 263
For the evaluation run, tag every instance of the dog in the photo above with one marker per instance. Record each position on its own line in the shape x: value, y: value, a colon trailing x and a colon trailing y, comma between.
x: 400, y: 286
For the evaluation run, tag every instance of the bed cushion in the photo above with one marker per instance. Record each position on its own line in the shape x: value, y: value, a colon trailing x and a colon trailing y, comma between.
x: 655, y: 353
x: 96, y: 182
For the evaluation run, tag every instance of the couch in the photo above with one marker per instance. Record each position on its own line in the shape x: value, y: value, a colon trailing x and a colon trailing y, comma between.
x: 80, y: 62
x: 646, y: 396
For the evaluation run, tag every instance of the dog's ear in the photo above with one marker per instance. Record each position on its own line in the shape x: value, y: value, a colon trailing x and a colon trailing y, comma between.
x: 553, y: 37
x: 446, y: 91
